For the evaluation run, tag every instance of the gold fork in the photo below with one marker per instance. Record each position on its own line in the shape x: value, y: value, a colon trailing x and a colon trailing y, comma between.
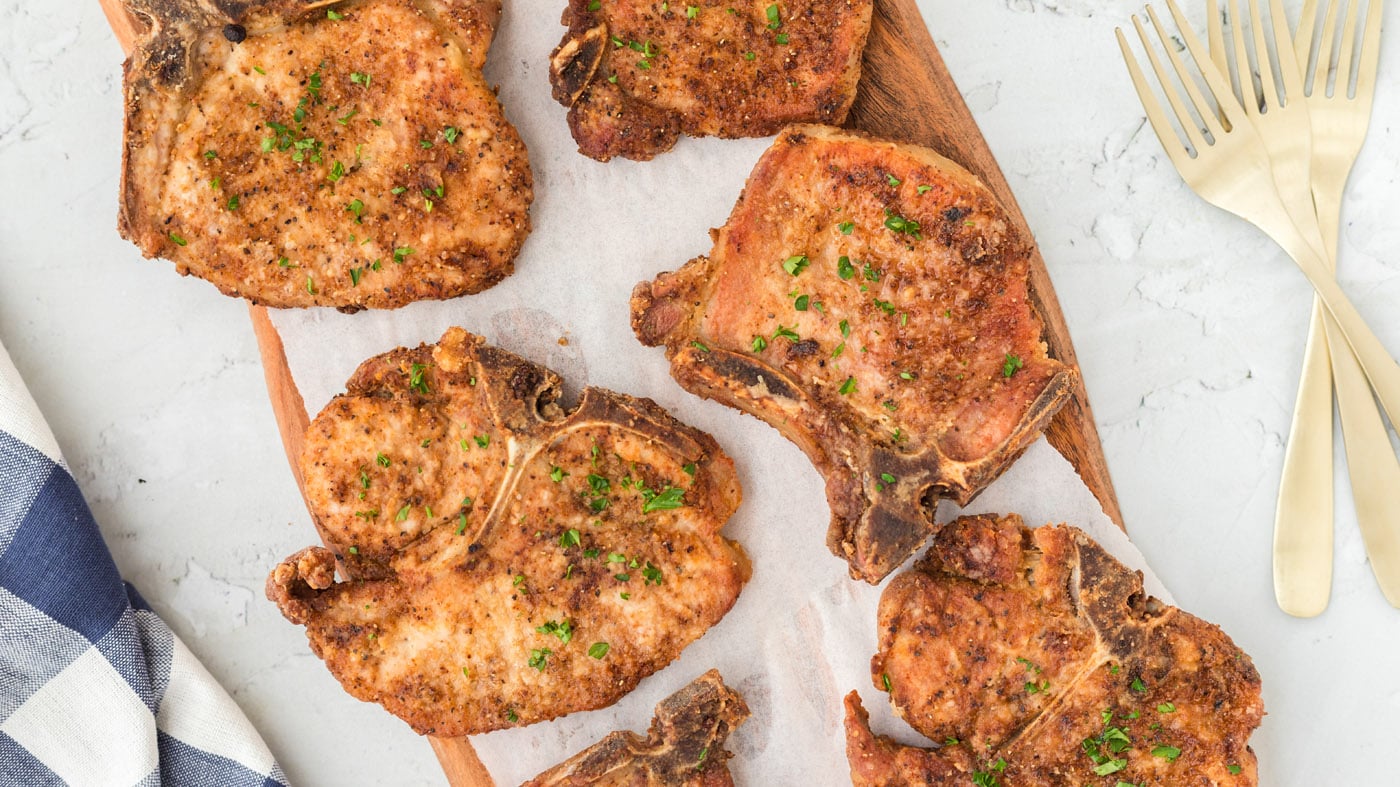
x: 1231, y: 169
x: 1339, y: 124
x: 1303, y: 519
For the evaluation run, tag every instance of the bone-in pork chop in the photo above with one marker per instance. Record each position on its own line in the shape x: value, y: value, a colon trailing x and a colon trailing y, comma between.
x: 636, y: 74
x: 869, y: 300
x: 684, y: 747
x: 328, y: 154
x: 511, y: 561
x: 1035, y: 658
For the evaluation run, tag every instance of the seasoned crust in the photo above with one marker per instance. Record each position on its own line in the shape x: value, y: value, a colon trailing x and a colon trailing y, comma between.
x: 867, y: 299
x: 476, y: 517
x: 683, y: 748
x: 636, y: 74
x: 279, y: 154
x: 1038, y: 649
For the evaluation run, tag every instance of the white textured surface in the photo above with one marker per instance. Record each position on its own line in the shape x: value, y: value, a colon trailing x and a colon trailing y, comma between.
x: 1189, y: 327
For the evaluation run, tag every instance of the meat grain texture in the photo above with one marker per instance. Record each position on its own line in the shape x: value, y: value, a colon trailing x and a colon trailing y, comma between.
x: 510, y: 561
x: 636, y: 74
x: 869, y: 300
x: 684, y: 748
x: 1035, y: 658
x: 345, y: 154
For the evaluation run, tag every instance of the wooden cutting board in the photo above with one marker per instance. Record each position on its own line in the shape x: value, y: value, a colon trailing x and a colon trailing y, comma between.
x: 905, y: 94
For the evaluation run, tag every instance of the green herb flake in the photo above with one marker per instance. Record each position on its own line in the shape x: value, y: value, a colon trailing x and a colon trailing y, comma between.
x: 1011, y: 365
x: 845, y: 329
x: 802, y: 302
x: 893, y: 181
x: 556, y: 473
x: 692, y: 11
x: 403, y: 513
x: 355, y: 274
x: 844, y: 268
x: 846, y: 227
x: 511, y: 716
x: 450, y: 134
x: 401, y: 253
x: 564, y: 630
x: 1138, y: 685
x: 795, y: 264
x: 416, y: 379
x: 1166, y: 707
x: 570, y: 538
x: 901, y: 225
x: 924, y: 189
x: 177, y: 239
x: 482, y: 440
x: 232, y: 203
x: 333, y: 16
x: 1233, y: 769
x: 848, y: 387
x: 1168, y: 753
x: 539, y: 658
x: 885, y: 680
x: 699, y: 345
x: 759, y: 344
x: 666, y: 499
x: 599, y: 649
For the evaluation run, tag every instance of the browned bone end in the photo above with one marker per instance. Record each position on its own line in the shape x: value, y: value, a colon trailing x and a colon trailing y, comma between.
x: 684, y: 747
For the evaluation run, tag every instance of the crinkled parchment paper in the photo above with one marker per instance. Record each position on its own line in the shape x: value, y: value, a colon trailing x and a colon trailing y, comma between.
x: 802, y: 632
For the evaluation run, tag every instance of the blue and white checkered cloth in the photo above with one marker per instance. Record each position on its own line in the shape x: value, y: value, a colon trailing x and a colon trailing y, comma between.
x: 95, y: 689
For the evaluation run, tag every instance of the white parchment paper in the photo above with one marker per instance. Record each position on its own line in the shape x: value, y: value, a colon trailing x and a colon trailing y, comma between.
x: 802, y: 633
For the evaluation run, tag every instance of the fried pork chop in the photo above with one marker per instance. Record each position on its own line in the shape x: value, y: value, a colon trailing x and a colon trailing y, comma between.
x: 869, y: 300
x: 511, y: 561
x: 328, y: 154
x: 684, y: 747
x: 1036, y: 659
x: 636, y: 74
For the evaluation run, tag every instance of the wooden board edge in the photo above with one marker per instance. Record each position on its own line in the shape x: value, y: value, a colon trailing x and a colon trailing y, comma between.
x: 907, y: 94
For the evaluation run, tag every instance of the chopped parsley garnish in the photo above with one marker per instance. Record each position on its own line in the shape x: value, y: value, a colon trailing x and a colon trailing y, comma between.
x: 461, y: 523
x: 885, y: 680
x: 924, y: 189
x: 359, y: 78
x: 450, y: 134
x: 699, y: 345
x: 482, y: 440
x: 556, y: 473
x: 1138, y: 685
x: 355, y: 274
x: 511, y: 717
x: 357, y: 208
x: 402, y: 252
x: 1233, y: 769
x: 689, y: 469
x: 1012, y: 365
x: 382, y: 460
x: 333, y: 16
x: 759, y: 343
x: 539, y: 658
x: 310, y: 286
x: 599, y: 649
x: 897, y: 223
x: 893, y: 181
x: 846, y: 227
x: 232, y: 203
x: 177, y: 239
x: 416, y: 380
x: 786, y: 333
x: 1168, y: 753
x: 668, y: 498
x: 569, y: 538
x: 848, y: 387
x: 692, y: 11
x: 1166, y: 707
x: 1036, y: 688
x: 651, y: 574
x: 845, y: 329
x: 749, y: 56
x: 802, y: 302
x: 844, y: 268
x: 795, y: 264
x: 561, y: 629
x: 403, y: 513
x: 884, y: 306
x: 775, y: 19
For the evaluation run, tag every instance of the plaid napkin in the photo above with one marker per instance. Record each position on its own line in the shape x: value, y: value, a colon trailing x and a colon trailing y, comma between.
x: 95, y: 689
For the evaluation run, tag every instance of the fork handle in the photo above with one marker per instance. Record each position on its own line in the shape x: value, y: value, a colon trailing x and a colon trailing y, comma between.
x: 1372, y: 465
x: 1303, y: 518
x: 1379, y: 367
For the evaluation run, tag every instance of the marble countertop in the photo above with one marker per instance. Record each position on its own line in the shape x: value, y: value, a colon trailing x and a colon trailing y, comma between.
x: 1189, y: 326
